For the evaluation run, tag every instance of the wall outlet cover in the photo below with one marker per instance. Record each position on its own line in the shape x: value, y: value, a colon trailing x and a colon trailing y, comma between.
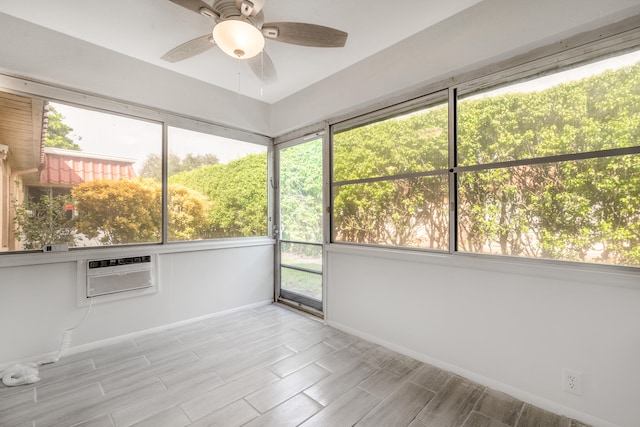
x: 572, y: 381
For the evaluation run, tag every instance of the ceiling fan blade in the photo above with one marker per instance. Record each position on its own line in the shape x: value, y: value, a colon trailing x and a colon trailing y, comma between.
x: 191, y: 48
x: 197, y: 6
x: 262, y: 66
x: 304, y: 34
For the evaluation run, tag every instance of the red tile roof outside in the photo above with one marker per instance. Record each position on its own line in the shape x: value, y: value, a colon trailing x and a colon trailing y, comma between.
x: 69, y: 167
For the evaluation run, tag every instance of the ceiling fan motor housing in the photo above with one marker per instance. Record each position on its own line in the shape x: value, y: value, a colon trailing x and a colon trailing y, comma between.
x: 228, y: 9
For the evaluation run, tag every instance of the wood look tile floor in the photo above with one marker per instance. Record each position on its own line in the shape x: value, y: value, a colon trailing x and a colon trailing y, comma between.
x: 267, y: 366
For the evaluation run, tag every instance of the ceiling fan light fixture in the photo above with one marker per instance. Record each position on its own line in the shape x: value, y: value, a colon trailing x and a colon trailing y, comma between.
x: 238, y: 38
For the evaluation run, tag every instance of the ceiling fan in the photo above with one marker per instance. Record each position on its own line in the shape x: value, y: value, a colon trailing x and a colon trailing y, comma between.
x: 239, y: 31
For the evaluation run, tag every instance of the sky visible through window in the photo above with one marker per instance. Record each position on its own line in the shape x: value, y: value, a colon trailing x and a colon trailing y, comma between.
x: 113, y: 135
x: 569, y: 75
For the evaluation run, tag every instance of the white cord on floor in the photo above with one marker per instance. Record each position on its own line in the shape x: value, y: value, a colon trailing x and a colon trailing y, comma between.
x: 20, y: 374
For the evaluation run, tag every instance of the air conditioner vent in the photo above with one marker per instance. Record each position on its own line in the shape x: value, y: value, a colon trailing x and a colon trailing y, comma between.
x: 114, y: 275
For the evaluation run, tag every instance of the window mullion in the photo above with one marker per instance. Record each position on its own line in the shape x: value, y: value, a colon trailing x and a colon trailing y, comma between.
x: 453, y: 176
x: 165, y: 178
x: 551, y: 159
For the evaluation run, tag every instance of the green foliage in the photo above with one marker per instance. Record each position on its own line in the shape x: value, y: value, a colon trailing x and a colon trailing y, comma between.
x: 301, y: 192
x: 119, y: 212
x: 237, y: 195
x: 46, y: 221
x: 187, y: 213
x: 152, y: 167
x: 400, y: 212
x: 585, y: 210
x: 58, y: 132
x: 129, y: 211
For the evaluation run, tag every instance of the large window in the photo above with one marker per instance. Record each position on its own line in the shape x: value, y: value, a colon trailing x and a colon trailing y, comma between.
x: 81, y: 177
x: 74, y: 176
x: 390, y: 184
x: 547, y: 167
x: 217, y: 187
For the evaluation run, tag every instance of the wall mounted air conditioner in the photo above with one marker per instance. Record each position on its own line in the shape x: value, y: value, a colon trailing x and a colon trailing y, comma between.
x: 114, y: 275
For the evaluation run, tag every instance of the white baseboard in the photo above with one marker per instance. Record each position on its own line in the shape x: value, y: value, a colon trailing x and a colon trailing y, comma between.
x: 97, y: 344
x: 481, y: 379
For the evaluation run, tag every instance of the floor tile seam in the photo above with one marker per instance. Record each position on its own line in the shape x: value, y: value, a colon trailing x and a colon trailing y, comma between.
x: 78, y: 378
x: 524, y: 405
x: 195, y: 335
x: 134, y: 387
x: 94, y: 352
x: 146, y: 371
x: 292, y: 349
x: 99, y: 403
x: 469, y: 415
x: 275, y: 334
x: 128, y: 359
x: 204, y: 355
x: 65, y: 372
x: 173, y: 330
x: 348, y: 367
x: 193, y: 347
x: 382, y: 400
x: 18, y: 408
x: 93, y: 418
x: 169, y: 405
x: 130, y: 353
x: 268, y: 368
x: 109, y: 383
x: 181, y: 405
x: 321, y: 405
x: 221, y: 385
x: 370, y: 410
x: 324, y: 341
x: 41, y: 401
x: 313, y: 362
x: 101, y: 389
x: 409, y: 380
x: 157, y: 340
x: 298, y: 392
x: 475, y: 406
x: 168, y: 331
x: 400, y: 384
x: 10, y: 391
x: 109, y: 365
x: 159, y: 348
x: 256, y: 409
x: 439, y: 393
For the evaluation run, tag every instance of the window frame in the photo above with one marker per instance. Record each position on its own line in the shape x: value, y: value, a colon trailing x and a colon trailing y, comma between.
x: 425, y: 102
x: 592, y: 46
x: 57, y: 94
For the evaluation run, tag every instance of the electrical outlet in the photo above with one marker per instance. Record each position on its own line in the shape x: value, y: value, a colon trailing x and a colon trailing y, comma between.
x: 572, y: 381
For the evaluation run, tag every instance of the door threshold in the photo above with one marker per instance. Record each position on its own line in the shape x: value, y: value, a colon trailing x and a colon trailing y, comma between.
x: 301, y: 307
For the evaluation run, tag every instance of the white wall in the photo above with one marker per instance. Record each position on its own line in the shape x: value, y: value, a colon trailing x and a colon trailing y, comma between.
x: 511, y: 326
x: 39, y: 301
x: 491, y: 30
x: 36, y: 52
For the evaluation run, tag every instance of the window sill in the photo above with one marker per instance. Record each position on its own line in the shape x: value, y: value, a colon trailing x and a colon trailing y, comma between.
x: 593, y: 274
x: 17, y: 259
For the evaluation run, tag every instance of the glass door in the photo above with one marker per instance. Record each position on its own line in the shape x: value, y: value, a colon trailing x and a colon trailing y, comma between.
x: 299, y: 204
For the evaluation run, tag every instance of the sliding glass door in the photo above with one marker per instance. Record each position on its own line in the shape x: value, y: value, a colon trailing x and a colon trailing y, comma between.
x: 300, y: 254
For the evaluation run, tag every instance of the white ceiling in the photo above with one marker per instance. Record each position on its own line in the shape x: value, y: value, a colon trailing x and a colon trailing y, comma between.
x: 146, y: 29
